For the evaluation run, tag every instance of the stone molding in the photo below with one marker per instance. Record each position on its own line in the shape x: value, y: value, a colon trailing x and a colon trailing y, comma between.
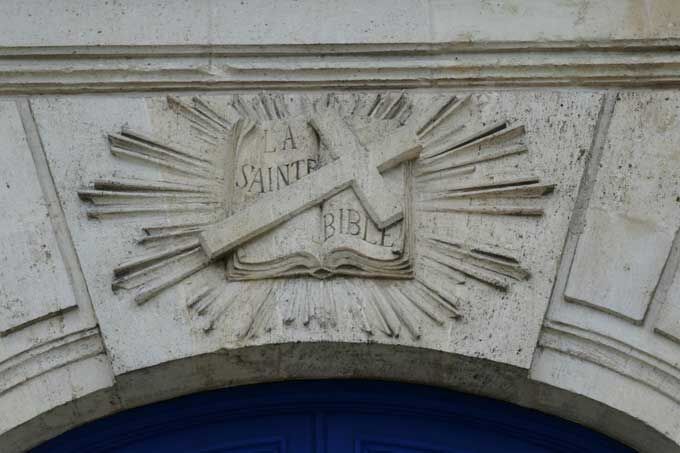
x: 88, y: 69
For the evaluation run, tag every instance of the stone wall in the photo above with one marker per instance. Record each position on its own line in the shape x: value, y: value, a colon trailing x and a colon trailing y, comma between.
x: 483, y: 196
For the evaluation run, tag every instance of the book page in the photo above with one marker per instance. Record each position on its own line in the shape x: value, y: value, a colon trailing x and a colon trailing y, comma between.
x: 271, y: 156
x: 346, y: 224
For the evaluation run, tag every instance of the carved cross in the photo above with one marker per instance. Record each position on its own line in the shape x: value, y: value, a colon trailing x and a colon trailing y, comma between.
x: 355, y: 165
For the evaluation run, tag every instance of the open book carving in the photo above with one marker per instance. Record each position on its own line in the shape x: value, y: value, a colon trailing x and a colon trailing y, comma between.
x: 335, y: 237
x: 262, y: 186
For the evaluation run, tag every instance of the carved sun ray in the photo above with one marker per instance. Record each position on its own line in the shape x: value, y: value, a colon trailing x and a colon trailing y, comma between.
x: 449, y: 178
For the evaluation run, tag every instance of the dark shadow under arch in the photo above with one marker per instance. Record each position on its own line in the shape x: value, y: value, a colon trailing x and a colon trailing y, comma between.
x: 333, y: 416
x: 334, y: 360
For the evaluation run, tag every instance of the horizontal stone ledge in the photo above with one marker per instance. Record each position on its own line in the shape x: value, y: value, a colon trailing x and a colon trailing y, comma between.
x: 96, y: 87
x: 408, y: 48
x: 128, y: 68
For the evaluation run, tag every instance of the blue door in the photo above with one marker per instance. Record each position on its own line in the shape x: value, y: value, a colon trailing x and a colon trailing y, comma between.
x: 332, y: 417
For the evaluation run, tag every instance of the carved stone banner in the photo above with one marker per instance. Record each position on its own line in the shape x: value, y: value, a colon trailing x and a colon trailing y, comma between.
x: 305, y: 200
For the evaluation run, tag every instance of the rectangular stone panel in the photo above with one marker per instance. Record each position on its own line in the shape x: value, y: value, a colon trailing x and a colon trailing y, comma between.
x: 633, y: 212
x: 34, y: 283
x: 618, y: 263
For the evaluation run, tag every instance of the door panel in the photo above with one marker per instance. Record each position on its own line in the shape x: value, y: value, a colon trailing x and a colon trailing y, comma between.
x: 420, y: 433
x: 285, y: 433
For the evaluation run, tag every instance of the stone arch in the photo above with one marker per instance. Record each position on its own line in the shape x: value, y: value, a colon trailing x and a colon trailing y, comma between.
x: 318, y: 361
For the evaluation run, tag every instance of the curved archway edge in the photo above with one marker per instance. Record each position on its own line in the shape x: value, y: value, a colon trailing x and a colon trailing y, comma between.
x: 333, y: 416
x: 318, y: 361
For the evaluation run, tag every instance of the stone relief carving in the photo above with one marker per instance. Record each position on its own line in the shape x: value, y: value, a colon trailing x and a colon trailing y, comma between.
x: 308, y: 202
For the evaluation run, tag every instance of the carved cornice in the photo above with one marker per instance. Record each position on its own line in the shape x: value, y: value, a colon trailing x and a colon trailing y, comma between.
x: 146, y: 68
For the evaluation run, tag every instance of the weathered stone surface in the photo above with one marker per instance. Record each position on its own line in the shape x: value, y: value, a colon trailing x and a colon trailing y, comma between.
x: 532, y: 235
x: 612, y: 250
x: 633, y: 215
x: 401, y: 21
x: 30, y: 262
x: 477, y: 195
x: 615, y: 294
x: 50, y: 349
